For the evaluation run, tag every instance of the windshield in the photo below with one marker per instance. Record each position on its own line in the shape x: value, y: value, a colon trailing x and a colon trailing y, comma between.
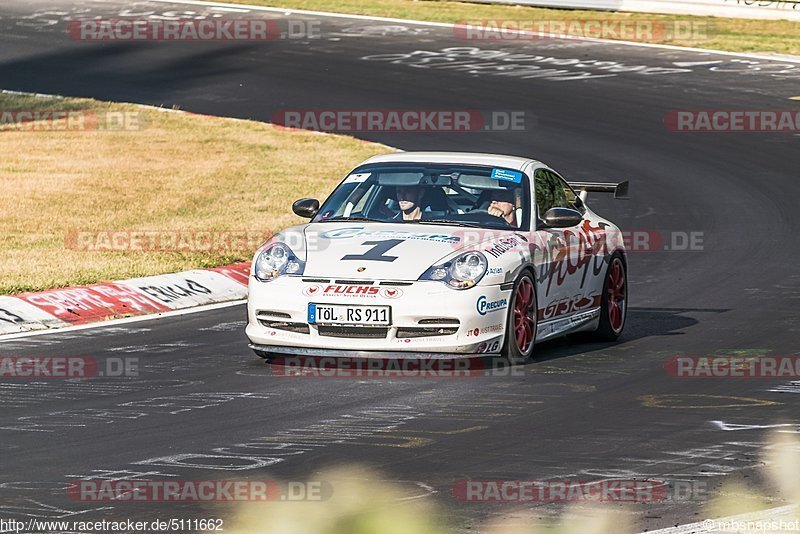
x: 486, y: 197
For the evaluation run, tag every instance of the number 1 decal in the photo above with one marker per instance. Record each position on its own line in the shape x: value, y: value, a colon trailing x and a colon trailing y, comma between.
x: 376, y: 252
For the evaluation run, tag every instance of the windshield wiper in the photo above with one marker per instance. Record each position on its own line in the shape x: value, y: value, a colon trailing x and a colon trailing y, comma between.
x: 338, y: 219
x: 447, y: 222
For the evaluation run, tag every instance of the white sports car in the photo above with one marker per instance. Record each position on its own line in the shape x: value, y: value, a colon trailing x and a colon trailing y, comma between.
x: 440, y: 255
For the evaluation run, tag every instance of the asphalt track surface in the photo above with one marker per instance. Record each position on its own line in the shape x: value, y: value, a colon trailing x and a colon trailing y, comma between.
x: 581, y: 411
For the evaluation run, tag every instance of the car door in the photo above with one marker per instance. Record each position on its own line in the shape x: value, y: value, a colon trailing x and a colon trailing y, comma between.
x: 566, y: 280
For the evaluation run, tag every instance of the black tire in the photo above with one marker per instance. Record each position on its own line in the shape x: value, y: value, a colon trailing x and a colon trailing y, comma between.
x: 512, y: 352
x: 613, y: 323
x: 265, y: 355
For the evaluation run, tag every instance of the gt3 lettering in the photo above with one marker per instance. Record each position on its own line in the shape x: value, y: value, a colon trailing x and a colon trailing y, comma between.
x: 569, y: 305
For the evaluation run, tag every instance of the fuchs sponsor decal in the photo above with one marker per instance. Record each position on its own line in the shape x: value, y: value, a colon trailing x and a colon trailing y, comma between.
x: 559, y: 307
x: 347, y: 290
x: 354, y: 291
x: 342, y: 290
x: 310, y: 291
x: 390, y: 292
x: 359, y: 231
x: 485, y: 306
x: 502, y: 246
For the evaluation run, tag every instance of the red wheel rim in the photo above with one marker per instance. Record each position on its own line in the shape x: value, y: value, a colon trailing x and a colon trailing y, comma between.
x: 616, y: 295
x: 524, y: 321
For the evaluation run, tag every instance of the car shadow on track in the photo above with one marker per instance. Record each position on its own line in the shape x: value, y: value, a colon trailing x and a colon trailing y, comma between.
x: 641, y: 323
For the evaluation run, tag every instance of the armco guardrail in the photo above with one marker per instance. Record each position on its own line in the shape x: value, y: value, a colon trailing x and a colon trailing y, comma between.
x: 749, y: 9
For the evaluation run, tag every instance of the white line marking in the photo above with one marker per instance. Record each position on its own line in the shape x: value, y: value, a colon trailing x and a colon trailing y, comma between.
x: 230, y: 10
x: 732, y: 427
x: 695, y: 63
x: 706, y: 525
x: 124, y: 320
x: 289, y: 11
x: 22, y: 93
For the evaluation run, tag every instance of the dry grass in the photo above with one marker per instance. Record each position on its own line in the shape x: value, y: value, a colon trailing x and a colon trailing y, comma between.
x: 735, y: 35
x: 178, y: 172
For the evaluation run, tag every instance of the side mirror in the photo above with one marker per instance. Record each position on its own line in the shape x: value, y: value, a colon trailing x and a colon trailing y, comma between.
x: 306, y: 207
x: 562, y: 217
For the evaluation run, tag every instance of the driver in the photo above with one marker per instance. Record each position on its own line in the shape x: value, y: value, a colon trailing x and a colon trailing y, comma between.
x: 409, y: 198
x: 502, y: 205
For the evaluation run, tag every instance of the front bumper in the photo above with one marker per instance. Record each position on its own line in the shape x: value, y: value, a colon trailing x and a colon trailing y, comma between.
x: 428, y: 319
x: 378, y: 354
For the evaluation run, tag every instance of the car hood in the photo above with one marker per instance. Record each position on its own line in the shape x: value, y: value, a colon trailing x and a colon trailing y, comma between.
x: 381, y: 251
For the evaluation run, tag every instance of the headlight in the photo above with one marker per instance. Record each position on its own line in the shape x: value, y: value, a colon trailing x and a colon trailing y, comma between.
x: 461, y: 272
x: 275, y: 260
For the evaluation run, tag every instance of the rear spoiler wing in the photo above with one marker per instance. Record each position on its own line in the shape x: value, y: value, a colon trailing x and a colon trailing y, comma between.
x: 619, y: 189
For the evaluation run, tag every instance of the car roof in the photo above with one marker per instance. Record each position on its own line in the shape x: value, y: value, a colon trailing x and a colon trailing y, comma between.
x: 469, y: 158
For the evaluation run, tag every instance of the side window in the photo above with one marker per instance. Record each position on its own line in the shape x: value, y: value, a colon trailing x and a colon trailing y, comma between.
x: 551, y: 192
x: 571, y: 199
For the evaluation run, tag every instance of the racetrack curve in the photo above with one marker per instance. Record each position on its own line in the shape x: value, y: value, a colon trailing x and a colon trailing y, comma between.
x: 582, y: 411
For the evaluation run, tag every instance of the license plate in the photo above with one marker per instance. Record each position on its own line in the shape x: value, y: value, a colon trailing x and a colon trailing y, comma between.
x: 348, y: 314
